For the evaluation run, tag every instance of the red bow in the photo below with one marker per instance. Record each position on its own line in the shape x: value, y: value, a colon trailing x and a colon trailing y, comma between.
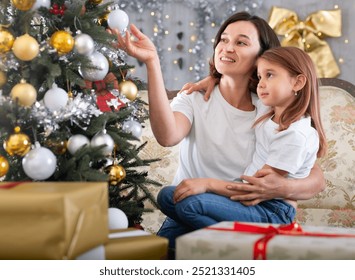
x: 269, y: 232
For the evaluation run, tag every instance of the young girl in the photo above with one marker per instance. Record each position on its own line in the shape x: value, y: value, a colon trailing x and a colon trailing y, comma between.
x: 290, y: 136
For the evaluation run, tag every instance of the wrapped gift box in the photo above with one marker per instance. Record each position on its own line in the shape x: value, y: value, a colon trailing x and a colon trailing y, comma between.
x: 134, y: 244
x: 52, y: 220
x: 232, y: 240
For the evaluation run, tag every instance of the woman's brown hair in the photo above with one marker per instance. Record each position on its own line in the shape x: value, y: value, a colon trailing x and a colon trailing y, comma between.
x: 297, y: 62
x: 267, y: 39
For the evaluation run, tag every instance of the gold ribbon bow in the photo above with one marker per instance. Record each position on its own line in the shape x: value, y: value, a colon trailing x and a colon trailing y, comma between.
x: 308, y: 35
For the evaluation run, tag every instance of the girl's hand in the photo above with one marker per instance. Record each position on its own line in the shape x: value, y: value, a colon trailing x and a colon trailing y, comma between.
x: 190, y: 187
x: 141, y: 47
x: 207, y: 85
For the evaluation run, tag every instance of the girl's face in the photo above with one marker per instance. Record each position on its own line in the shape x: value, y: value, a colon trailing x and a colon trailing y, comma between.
x: 276, y: 85
x: 237, y: 51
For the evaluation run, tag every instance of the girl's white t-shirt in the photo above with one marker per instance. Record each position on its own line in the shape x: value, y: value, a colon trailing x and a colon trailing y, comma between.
x: 293, y: 150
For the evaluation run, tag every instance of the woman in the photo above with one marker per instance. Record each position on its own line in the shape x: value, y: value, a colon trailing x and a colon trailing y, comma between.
x: 216, y: 137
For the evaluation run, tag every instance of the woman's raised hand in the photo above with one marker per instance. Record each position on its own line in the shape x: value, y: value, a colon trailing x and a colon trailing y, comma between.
x: 207, y: 84
x: 140, y: 47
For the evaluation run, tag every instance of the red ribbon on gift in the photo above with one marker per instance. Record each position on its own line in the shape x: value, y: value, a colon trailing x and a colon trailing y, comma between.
x: 104, y: 96
x: 10, y: 185
x: 269, y: 232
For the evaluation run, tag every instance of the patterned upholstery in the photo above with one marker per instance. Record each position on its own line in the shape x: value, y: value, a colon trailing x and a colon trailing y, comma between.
x: 335, y: 206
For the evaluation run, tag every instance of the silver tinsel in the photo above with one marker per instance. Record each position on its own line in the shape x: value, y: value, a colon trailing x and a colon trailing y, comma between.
x: 79, y: 111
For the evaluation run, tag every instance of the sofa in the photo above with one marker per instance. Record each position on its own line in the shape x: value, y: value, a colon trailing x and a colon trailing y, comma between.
x: 335, y: 206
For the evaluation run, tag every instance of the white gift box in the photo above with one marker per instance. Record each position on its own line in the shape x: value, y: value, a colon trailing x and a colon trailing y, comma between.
x: 233, y: 240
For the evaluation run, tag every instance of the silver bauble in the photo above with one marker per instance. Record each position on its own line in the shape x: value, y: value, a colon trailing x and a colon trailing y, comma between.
x: 55, y: 98
x: 102, y: 138
x: 84, y: 44
x: 76, y: 142
x: 39, y: 163
x: 134, y: 127
x: 99, y: 61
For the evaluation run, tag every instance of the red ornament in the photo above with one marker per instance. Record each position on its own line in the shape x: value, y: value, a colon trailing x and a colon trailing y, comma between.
x: 56, y: 10
x: 107, y: 102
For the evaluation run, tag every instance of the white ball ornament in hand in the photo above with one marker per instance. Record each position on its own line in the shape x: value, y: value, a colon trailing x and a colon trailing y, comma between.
x: 118, y: 19
x: 39, y: 163
x: 117, y: 219
x: 76, y: 142
x: 55, y: 98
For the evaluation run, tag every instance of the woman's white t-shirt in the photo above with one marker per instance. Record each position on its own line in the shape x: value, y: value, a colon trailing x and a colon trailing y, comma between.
x: 221, y: 142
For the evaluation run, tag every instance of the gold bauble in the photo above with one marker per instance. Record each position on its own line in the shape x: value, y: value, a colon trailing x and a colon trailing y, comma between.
x: 6, y: 41
x: 128, y: 89
x: 25, y: 47
x: 96, y: 2
x: 62, y: 41
x: 23, y: 5
x: 3, y: 79
x: 25, y: 94
x: 57, y: 146
x: 4, y: 166
x: 116, y: 174
x: 103, y: 20
x: 17, y: 143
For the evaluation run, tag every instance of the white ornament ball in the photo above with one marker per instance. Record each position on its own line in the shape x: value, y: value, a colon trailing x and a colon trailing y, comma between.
x: 76, y: 142
x: 134, y: 127
x: 55, y: 98
x: 102, y: 138
x: 117, y: 219
x: 118, y: 19
x: 99, y: 61
x: 84, y: 44
x: 39, y: 163
x: 41, y: 3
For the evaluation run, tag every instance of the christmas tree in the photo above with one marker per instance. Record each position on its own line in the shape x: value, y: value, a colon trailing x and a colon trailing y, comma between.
x: 69, y: 111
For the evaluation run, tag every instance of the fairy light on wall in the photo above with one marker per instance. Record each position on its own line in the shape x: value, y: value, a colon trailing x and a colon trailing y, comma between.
x: 187, y: 53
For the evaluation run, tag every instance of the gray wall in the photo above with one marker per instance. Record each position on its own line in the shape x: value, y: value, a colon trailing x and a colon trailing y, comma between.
x: 179, y: 23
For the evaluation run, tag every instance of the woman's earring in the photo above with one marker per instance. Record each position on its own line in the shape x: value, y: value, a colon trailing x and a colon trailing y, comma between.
x: 296, y: 93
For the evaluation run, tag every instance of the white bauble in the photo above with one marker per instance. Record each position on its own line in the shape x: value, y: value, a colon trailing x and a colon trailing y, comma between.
x: 98, y: 60
x: 84, y: 44
x: 134, y: 127
x: 41, y: 3
x: 117, y: 219
x: 118, y: 19
x: 102, y: 138
x: 39, y: 163
x: 55, y: 98
x: 76, y: 142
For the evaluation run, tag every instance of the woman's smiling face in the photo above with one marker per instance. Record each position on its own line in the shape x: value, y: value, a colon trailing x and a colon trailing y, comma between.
x: 237, y: 50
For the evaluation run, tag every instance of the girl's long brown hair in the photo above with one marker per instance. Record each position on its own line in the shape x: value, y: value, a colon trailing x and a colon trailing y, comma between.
x: 296, y: 62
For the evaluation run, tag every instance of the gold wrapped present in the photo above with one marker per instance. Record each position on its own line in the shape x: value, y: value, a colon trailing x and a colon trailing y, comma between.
x: 52, y: 220
x: 134, y: 244
x: 238, y: 241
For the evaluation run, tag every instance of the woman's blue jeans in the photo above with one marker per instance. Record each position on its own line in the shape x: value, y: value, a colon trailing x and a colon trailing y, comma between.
x: 202, y: 210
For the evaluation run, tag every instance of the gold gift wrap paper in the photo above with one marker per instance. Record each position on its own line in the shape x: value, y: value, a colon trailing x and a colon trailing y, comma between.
x: 133, y: 244
x: 52, y: 220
